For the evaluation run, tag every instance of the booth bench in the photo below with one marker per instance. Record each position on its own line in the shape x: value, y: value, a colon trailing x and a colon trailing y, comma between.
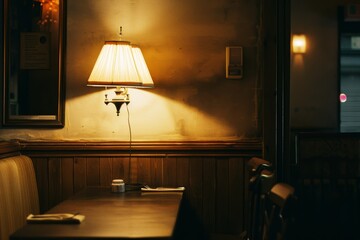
x: 18, y: 189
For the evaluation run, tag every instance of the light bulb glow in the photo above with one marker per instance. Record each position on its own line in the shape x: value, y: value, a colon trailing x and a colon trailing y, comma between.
x: 299, y: 44
x: 343, y: 97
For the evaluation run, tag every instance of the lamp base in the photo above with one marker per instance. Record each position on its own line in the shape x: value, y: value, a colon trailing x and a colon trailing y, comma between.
x: 121, y: 97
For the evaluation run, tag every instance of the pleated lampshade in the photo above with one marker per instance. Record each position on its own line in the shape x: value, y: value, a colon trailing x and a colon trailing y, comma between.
x: 120, y: 64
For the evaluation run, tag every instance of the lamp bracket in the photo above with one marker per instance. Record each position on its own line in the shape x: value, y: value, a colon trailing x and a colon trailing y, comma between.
x: 120, y: 98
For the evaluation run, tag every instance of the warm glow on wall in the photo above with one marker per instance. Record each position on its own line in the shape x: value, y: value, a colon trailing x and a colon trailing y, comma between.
x: 153, y: 117
x: 299, y: 43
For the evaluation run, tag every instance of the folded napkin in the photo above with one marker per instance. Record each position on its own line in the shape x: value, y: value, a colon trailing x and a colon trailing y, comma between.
x: 56, y: 218
x: 162, y: 189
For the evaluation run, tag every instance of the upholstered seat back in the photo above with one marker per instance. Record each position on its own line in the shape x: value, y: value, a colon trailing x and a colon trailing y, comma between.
x: 18, y: 193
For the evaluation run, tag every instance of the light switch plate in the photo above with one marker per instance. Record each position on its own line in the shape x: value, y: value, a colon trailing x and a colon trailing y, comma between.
x: 234, y: 62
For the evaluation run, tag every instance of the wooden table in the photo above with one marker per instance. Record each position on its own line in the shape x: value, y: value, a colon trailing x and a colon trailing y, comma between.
x: 111, y: 216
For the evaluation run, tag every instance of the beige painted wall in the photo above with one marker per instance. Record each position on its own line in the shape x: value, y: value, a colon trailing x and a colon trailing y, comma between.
x: 184, y: 45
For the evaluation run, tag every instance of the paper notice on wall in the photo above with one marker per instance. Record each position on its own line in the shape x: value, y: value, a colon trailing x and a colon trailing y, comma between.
x: 35, y: 50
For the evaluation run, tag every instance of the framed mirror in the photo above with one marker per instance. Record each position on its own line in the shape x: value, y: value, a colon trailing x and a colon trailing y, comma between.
x: 34, y: 54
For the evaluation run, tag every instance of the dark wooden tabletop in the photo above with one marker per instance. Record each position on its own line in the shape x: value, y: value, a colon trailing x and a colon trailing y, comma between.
x: 109, y: 215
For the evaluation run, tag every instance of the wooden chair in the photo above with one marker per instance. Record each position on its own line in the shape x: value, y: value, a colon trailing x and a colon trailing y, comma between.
x: 256, y: 165
x: 260, y: 183
x: 279, y: 214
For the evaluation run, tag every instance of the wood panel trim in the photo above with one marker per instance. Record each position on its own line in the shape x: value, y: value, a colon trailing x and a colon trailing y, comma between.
x: 141, y: 149
x: 9, y: 148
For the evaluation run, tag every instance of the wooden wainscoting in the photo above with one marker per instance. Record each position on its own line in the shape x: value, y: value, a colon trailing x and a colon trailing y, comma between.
x: 327, y: 179
x: 213, y: 173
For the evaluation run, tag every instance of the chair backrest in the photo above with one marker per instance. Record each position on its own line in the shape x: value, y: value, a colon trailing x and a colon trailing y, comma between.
x: 256, y: 165
x: 279, y: 212
x: 260, y: 183
x: 259, y: 187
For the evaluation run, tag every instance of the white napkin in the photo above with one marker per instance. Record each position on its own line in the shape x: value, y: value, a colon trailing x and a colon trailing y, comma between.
x: 163, y: 189
x: 55, y: 218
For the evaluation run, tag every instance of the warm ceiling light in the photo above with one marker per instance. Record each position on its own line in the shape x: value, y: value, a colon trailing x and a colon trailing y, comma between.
x: 120, y: 65
x: 299, y: 44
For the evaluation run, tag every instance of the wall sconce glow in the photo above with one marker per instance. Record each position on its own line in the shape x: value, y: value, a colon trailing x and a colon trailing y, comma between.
x: 299, y: 43
x: 120, y: 65
x: 343, y: 97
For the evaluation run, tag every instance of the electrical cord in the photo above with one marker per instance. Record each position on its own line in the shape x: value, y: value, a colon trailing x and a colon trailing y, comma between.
x: 130, y: 141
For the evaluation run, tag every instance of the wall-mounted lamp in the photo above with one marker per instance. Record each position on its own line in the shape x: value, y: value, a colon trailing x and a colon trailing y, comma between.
x: 299, y: 43
x: 120, y: 65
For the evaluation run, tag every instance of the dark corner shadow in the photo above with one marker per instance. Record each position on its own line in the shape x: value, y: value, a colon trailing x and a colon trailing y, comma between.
x: 188, y: 225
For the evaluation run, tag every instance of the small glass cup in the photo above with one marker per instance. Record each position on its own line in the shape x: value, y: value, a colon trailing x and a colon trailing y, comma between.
x: 117, y: 186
